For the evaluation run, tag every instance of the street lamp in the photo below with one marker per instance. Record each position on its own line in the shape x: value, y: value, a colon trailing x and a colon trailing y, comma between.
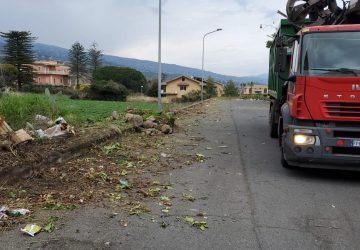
x: 141, y: 90
x: 159, y: 70
x: 202, y: 66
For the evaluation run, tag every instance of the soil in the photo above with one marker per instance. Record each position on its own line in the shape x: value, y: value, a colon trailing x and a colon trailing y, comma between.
x: 95, y: 177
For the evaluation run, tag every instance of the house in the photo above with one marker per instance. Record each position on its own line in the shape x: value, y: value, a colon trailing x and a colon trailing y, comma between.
x: 51, y: 73
x: 219, y: 89
x: 182, y: 85
x: 255, y: 89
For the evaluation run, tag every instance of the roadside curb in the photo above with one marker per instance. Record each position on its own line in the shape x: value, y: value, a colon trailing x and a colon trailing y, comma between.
x: 193, y: 105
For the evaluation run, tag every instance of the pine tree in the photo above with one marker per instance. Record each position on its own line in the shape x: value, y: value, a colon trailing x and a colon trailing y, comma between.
x: 95, y: 57
x: 78, y: 61
x: 18, y: 52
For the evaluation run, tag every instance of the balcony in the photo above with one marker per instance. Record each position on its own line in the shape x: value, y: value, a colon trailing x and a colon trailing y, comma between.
x: 52, y: 72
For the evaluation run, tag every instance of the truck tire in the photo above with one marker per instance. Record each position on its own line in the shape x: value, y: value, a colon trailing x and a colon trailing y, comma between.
x: 273, y: 126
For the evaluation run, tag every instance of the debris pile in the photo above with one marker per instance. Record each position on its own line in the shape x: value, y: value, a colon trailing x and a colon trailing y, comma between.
x: 10, y: 138
x: 153, y: 124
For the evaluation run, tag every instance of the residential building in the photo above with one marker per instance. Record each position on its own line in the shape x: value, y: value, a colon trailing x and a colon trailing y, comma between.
x: 219, y: 86
x: 51, y: 73
x: 174, y: 89
x: 256, y: 89
x: 182, y: 85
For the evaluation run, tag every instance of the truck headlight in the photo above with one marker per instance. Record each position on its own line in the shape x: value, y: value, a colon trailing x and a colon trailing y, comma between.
x: 304, y: 139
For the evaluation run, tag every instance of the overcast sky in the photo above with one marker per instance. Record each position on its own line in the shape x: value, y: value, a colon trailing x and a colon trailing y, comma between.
x: 129, y: 28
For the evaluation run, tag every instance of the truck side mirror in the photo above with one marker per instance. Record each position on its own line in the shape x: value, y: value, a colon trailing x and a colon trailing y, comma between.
x: 281, y: 54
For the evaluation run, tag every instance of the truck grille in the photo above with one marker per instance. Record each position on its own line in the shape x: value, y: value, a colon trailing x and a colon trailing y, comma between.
x: 347, y: 134
x: 342, y: 109
x: 346, y: 151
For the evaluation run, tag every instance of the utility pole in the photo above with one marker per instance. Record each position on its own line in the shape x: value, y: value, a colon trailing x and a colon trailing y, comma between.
x: 159, y: 62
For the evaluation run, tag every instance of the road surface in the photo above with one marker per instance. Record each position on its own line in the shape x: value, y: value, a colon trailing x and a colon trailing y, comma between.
x: 250, y: 201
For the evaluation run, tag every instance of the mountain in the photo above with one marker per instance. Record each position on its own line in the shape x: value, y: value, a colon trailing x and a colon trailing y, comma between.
x: 148, y: 68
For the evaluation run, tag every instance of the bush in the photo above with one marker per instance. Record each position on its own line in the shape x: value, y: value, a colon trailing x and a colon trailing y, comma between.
x: 192, y: 96
x: 18, y: 109
x: 108, y: 90
x: 130, y: 78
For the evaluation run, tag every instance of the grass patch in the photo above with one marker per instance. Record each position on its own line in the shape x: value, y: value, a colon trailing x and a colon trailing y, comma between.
x: 19, y: 108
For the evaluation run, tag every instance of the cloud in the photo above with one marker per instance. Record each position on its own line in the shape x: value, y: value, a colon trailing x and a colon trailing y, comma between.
x: 129, y: 28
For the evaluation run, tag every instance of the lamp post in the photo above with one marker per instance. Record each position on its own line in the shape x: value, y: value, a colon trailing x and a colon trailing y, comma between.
x: 159, y: 56
x: 202, y: 65
x: 141, y: 90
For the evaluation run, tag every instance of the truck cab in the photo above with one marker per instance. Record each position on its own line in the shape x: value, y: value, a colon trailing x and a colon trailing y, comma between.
x: 314, y: 84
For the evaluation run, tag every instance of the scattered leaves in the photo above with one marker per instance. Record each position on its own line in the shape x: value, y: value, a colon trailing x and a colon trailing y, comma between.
x: 200, y: 158
x: 138, y: 209
x: 11, y: 195
x: 124, y: 184
x: 164, y: 198
x: 188, y: 197
x: 202, y: 225
x: 58, y: 206
x: 154, y: 191
x: 108, y: 149
x: 50, y: 226
x: 123, y: 173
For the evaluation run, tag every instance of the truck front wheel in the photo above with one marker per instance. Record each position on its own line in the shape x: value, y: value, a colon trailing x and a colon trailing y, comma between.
x: 273, y: 126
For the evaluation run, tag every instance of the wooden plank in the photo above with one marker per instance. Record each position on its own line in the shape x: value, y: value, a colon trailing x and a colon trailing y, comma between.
x: 4, y: 127
x: 20, y: 136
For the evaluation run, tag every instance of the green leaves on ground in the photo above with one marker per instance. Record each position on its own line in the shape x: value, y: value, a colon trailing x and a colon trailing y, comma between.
x: 11, y: 195
x: 154, y: 191
x: 138, y: 209
x: 50, y: 226
x: 200, y: 158
x: 124, y: 184
x: 202, y: 225
x: 58, y: 206
x: 108, y: 149
x: 188, y: 197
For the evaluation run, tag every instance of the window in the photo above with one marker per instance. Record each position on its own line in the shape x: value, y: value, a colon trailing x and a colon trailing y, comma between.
x: 331, y: 54
x: 295, y: 58
x: 182, y: 88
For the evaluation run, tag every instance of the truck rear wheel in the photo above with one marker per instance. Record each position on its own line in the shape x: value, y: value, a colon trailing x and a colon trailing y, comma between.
x: 273, y: 126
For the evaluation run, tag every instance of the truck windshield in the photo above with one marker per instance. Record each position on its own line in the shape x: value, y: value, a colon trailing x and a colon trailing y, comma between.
x: 331, y: 54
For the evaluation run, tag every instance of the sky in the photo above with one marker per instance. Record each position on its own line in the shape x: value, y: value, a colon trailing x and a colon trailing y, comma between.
x: 129, y: 28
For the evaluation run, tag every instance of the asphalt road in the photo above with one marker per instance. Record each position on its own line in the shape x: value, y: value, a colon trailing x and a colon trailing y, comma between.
x: 251, y: 202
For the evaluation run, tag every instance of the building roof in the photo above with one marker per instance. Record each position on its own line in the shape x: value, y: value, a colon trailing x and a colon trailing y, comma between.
x: 49, y: 63
x: 189, y: 78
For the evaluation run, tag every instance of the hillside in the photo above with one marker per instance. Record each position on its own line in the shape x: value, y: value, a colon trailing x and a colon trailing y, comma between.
x: 148, y: 68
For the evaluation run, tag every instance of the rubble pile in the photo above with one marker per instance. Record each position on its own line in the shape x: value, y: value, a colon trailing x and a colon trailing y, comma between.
x: 9, y: 138
x: 151, y: 125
